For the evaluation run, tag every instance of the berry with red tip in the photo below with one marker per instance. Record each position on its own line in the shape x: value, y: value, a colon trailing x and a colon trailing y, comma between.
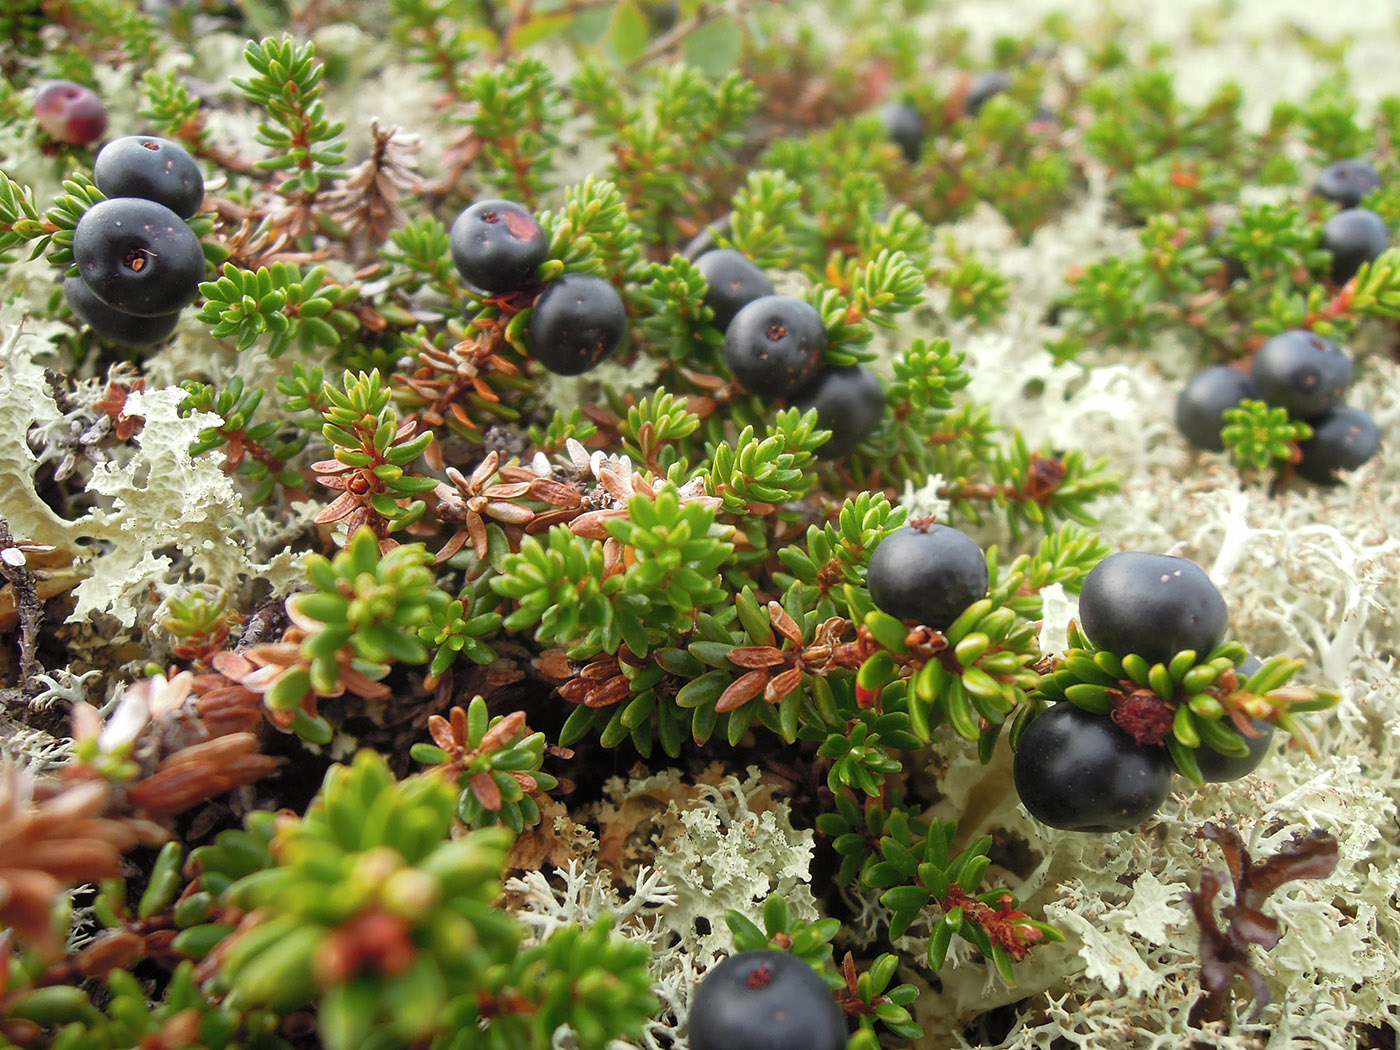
x: 1302, y: 372
x: 764, y: 1000
x: 138, y: 256
x: 1354, y: 236
x: 70, y: 113
x: 497, y: 245
x: 1154, y: 605
x: 927, y: 573
x: 1078, y: 771
x: 849, y: 402
x: 113, y: 325
x: 152, y: 168
x: 577, y: 320
x: 1343, y: 439
x: 774, y: 345
x: 1201, y: 405
x: 1346, y: 181
x: 732, y: 282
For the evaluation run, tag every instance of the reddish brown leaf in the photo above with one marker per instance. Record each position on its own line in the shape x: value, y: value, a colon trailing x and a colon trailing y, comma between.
x: 486, y: 791
x: 741, y: 691
x: 756, y: 656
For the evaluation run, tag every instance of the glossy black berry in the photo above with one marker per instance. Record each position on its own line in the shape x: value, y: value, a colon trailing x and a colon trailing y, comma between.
x: 927, y: 573
x: 1154, y: 605
x: 152, y: 168
x: 764, y: 1000
x: 497, y: 245
x: 1217, y: 768
x: 1346, y: 182
x: 1353, y: 236
x: 113, y: 325
x: 850, y: 403
x: 733, y: 282
x: 983, y: 87
x: 577, y: 320
x: 138, y: 256
x: 1078, y: 771
x: 707, y: 240
x: 1202, y: 402
x: 904, y: 125
x: 69, y: 112
x: 1302, y: 372
x: 774, y: 345
x: 1343, y: 439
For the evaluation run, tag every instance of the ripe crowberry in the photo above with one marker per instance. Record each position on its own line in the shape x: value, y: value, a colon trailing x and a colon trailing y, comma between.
x: 1346, y: 182
x: 1302, y: 372
x: 764, y: 1000
x: 138, y: 256
x: 733, y: 281
x: 927, y: 573
x: 983, y: 87
x: 849, y: 402
x: 577, y: 320
x: 1201, y: 405
x: 1077, y: 771
x: 1217, y: 768
x: 1343, y: 439
x: 152, y: 168
x: 497, y: 245
x: 113, y: 325
x: 1154, y: 605
x: 1353, y: 236
x: 70, y: 113
x: 774, y: 345
x: 707, y: 239
x: 905, y: 127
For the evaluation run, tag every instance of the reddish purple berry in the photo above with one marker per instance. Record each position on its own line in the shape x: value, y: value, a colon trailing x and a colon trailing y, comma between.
x: 70, y: 113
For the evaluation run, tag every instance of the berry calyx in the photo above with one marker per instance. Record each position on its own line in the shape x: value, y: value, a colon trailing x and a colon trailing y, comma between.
x: 578, y: 320
x: 1301, y: 371
x: 1077, y: 771
x: 497, y: 245
x: 764, y: 1000
x: 1154, y: 605
x: 774, y: 345
x: 138, y: 256
x: 732, y: 282
x: 850, y: 403
x: 1353, y: 236
x: 152, y: 168
x: 927, y: 573
x: 70, y: 113
x: 113, y: 325
x: 1201, y: 405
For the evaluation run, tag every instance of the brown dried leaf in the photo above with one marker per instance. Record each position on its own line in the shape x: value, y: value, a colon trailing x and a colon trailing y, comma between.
x: 741, y: 691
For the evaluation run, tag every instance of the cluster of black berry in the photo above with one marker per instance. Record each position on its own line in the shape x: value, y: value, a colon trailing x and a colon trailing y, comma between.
x: 576, y: 320
x: 1301, y: 372
x: 139, y: 264
x: 1354, y: 235
x: 1080, y: 770
x: 774, y: 346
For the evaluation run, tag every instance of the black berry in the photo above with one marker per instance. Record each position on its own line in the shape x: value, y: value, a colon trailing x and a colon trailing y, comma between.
x: 1154, y: 605
x: 1302, y: 372
x: 905, y: 127
x: 1202, y: 402
x: 1346, y: 182
x: 1217, y: 768
x: 113, y: 325
x: 733, y: 282
x: 774, y: 345
x: 70, y: 113
x: 927, y: 573
x: 1078, y: 771
x: 497, y: 245
x: 707, y: 239
x: 1353, y: 236
x: 764, y: 1000
x: 578, y: 320
x: 849, y: 402
x: 153, y: 168
x: 1343, y: 439
x: 138, y: 256
x: 983, y: 87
